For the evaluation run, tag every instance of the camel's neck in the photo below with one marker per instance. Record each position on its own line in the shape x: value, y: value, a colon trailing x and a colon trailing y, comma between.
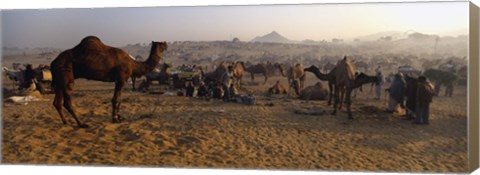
x: 282, y: 71
x: 320, y: 75
x: 148, y: 65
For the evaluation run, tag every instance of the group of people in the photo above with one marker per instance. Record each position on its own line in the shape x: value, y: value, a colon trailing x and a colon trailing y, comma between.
x: 417, y: 97
x: 223, y: 88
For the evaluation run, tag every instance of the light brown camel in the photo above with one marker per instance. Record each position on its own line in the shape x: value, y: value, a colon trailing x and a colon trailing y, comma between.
x: 258, y: 69
x: 278, y: 88
x: 330, y: 77
x: 294, y: 74
x: 315, y: 92
x: 344, y: 80
x: 238, y: 71
x: 93, y: 60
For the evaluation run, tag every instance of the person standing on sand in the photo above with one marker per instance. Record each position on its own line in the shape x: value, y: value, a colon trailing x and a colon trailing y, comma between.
x: 379, y: 85
x: 202, y: 90
x: 396, y: 92
x: 226, y: 79
x: 190, y: 89
x: 425, y: 92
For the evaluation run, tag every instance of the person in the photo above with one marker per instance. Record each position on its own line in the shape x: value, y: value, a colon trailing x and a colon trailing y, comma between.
x: 226, y: 79
x: 232, y: 90
x: 202, y: 90
x: 29, y: 77
x: 396, y: 93
x: 379, y: 85
x: 189, y: 89
x: 425, y: 92
x: 378, y: 70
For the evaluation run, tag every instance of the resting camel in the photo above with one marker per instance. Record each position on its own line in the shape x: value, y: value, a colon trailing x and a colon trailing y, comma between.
x: 294, y: 75
x: 278, y: 88
x: 315, y: 92
x: 257, y: 69
x: 360, y: 79
x: 91, y: 59
x: 330, y: 77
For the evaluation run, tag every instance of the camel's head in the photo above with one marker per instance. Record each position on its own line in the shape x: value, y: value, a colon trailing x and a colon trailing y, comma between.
x: 362, y: 78
x: 312, y: 68
x: 159, y: 46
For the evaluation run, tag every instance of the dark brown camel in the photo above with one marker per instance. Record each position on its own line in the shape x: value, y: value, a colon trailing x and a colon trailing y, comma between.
x: 330, y: 77
x: 258, y: 69
x: 93, y: 60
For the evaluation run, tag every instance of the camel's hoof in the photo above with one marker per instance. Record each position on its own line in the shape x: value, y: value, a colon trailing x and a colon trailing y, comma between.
x: 116, y: 120
x: 83, y: 125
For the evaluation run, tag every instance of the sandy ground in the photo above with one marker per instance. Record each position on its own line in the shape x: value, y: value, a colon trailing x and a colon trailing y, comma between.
x: 189, y: 132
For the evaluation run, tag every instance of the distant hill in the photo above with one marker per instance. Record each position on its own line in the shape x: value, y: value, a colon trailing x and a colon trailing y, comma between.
x: 272, y: 37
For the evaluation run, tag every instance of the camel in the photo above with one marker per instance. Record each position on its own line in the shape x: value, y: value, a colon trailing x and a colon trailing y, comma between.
x: 330, y: 77
x: 161, y: 75
x: 91, y: 59
x: 360, y: 79
x: 294, y: 75
x: 238, y: 70
x: 315, y: 92
x: 344, y: 79
x: 442, y: 77
x: 257, y: 69
x: 278, y: 88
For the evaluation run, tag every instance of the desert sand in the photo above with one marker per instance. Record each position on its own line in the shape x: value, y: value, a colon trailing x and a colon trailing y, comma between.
x: 278, y: 132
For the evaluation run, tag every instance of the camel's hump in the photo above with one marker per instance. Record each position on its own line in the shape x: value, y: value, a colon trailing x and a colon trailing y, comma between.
x: 89, y: 43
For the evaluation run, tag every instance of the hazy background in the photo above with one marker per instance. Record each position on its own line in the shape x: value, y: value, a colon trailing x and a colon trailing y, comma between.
x: 64, y: 28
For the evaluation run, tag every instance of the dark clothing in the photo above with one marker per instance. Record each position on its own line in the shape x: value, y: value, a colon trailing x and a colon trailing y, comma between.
x: 425, y: 92
x: 29, y: 77
x: 189, y: 91
x: 202, y: 91
x: 397, y: 90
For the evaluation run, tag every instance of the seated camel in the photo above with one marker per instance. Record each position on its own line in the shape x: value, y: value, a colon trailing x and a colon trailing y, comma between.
x: 278, y: 88
x: 315, y: 92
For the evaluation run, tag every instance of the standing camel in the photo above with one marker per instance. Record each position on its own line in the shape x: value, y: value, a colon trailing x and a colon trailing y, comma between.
x: 360, y: 79
x: 344, y: 80
x: 294, y: 74
x: 238, y: 70
x: 330, y: 77
x: 257, y: 69
x: 91, y: 59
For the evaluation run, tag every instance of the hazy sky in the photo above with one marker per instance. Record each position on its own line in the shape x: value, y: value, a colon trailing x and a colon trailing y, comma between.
x: 64, y: 28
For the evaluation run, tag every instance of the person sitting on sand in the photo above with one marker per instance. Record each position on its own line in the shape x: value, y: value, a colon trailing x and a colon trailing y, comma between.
x: 189, y: 89
x: 202, y: 90
x: 218, y: 92
x: 425, y: 92
x: 30, y: 77
x: 396, y: 93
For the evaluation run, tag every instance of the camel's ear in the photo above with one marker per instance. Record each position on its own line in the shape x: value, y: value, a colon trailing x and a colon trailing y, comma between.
x: 345, y: 57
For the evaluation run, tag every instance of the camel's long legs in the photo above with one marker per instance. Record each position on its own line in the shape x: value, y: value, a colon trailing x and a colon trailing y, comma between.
x: 349, y: 102
x: 68, y: 104
x: 335, y: 100
x: 57, y: 102
x: 116, y: 100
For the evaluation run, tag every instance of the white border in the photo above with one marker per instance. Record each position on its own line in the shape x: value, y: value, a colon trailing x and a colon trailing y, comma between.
x: 49, y: 4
